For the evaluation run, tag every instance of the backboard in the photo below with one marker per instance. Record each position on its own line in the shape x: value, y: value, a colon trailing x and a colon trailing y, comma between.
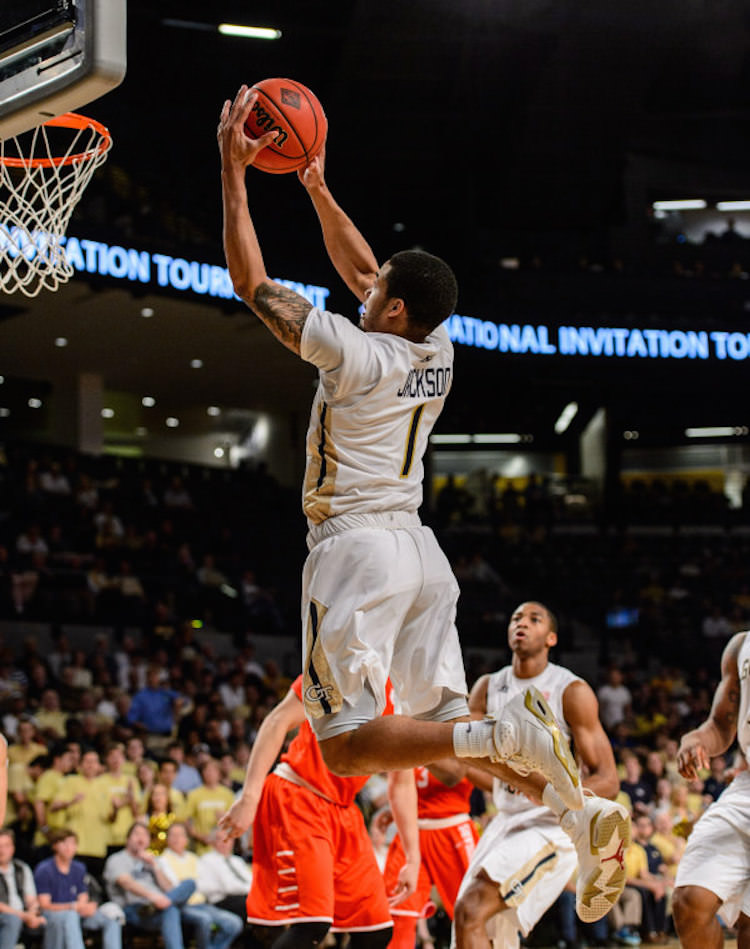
x: 57, y: 55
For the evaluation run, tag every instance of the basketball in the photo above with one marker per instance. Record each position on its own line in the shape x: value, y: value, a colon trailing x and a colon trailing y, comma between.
x: 295, y: 111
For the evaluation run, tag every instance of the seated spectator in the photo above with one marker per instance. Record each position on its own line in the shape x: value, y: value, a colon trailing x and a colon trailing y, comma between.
x: 205, y: 805
x: 682, y: 816
x: 633, y: 784
x: 160, y: 817
x: 653, y: 771
x: 670, y: 845
x: 188, y: 777
x: 64, y: 899
x: 716, y: 782
x: 26, y: 747
x: 615, y: 700
x: 224, y: 877
x: 50, y: 718
x: 167, y: 775
x: 19, y: 905
x: 137, y: 884
x: 644, y: 870
x: 213, y: 927
x: 625, y: 918
x: 53, y: 480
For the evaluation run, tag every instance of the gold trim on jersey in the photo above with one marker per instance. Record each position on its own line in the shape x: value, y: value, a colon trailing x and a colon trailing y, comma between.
x: 516, y: 888
x: 322, y: 466
x: 320, y: 693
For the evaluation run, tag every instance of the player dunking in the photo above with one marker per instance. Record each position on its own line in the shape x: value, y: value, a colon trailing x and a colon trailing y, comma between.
x: 313, y: 864
x: 378, y: 594
x: 714, y: 872
x: 525, y: 857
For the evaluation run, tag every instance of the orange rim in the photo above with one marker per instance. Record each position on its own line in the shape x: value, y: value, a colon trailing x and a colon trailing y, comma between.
x: 70, y: 120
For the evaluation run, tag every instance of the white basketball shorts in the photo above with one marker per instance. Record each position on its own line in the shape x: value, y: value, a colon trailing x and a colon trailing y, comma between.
x: 531, y: 864
x: 379, y: 601
x: 717, y: 856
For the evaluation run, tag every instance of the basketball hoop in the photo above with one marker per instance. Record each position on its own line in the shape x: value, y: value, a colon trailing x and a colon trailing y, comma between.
x: 43, y: 174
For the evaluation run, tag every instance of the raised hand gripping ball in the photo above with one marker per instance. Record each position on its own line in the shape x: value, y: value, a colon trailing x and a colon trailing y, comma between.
x: 295, y: 111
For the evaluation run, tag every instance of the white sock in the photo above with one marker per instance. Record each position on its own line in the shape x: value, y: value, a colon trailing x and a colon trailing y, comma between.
x: 473, y: 739
x: 552, y: 800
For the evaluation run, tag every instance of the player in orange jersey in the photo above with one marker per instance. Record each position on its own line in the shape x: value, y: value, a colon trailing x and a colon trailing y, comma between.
x: 447, y: 837
x: 314, y: 866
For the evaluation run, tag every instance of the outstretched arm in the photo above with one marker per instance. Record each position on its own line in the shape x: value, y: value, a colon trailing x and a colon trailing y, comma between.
x: 717, y: 733
x: 282, y: 310
x: 402, y: 794
x: 350, y: 253
x: 288, y: 714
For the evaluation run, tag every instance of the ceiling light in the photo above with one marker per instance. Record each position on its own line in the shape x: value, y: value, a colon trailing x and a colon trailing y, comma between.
x: 61, y: 341
x: 688, y: 204
x: 4, y: 412
x: 149, y: 401
x: 450, y: 439
x: 504, y: 438
x: 213, y: 411
x: 108, y: 413
x: 218, y: 452
x: 711, y: 431
x: 566, y: 417
x: 147, y: 312
x: 249, y: 32
x: 196, y: 363
x: 733, y: 205
x: 35, y: 403
x: 172, y: 422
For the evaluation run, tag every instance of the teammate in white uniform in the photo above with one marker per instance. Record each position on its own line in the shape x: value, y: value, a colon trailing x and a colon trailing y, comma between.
x: 525, y: 857
x: 379, y: 597
x: 713, y: 875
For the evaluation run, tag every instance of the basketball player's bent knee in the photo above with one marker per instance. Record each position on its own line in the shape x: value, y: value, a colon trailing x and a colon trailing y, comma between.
x: 476, y: 905
x: 340, y: 757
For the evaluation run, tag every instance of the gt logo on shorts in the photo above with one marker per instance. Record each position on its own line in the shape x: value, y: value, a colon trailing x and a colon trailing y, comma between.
x: 320, y: 693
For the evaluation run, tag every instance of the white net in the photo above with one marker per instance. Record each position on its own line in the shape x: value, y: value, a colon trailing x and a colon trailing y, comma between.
x: 43, y: 174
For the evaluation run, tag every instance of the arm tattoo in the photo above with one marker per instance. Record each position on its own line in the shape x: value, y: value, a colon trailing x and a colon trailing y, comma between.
x: 283, y: 311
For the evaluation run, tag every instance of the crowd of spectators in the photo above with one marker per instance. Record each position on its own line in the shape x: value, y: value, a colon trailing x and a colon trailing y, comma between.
x: 149, y: 723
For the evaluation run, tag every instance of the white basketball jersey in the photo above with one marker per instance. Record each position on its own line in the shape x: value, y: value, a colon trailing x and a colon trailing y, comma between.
x: 503, y: 686
x: 377, y: 401
x: 743, y: 720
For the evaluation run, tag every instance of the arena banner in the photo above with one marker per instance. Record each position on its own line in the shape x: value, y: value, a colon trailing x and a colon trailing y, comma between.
x: 160, y: 270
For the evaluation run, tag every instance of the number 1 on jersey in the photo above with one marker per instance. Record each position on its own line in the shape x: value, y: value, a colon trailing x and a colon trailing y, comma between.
x: 416, y: 416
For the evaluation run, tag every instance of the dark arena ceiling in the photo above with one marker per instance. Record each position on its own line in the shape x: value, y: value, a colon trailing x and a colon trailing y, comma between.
x: 523, y: 140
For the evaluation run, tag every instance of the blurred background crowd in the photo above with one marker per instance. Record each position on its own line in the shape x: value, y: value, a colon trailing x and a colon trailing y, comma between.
x: 149, y: 617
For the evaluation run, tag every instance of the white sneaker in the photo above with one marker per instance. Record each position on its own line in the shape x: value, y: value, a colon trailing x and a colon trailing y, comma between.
x: 601, y: 833
x: 528, y: 738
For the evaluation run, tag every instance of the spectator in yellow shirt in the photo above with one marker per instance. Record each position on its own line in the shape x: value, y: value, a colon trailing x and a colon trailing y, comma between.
x: 47, y: 791
x: 50, y: 719
x: 123, y: 795
x: 87, y: 812
x: 26, y: 748
x: 205, y: 804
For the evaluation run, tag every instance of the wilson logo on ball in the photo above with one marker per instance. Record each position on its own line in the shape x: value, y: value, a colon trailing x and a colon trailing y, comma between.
x: 291, y: 110
x: 264, y: 121
x: 291, y: 97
